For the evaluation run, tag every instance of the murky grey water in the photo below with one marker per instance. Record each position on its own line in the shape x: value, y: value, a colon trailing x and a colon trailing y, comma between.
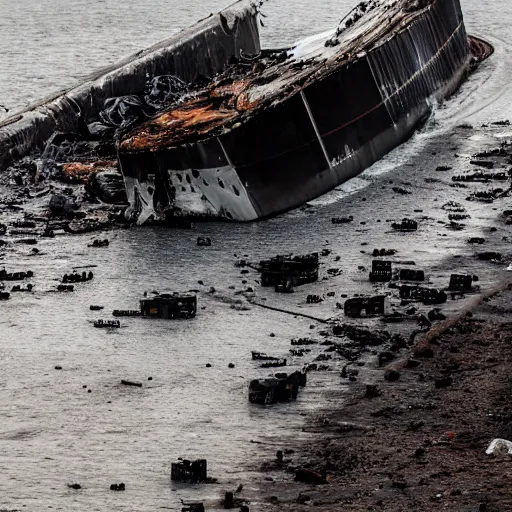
x: 53, y: 431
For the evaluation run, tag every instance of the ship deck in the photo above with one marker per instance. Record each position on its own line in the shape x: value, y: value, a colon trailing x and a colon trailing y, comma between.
x: 263, y: 81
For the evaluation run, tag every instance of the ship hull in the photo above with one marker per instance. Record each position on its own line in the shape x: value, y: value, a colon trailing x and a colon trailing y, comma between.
x: 313, y: 141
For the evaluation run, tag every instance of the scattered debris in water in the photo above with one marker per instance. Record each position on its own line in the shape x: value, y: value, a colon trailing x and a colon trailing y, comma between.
x: 184, y: 470
x: 126, y: 312
x: 107, y: 324
x: 170, y: 306
x: 192, y: 506
x: 131, y: 383
x: 65, y: 288
x: 99, y: 243
x: 342, y: 220
x: 405, y: 225
x: 203, y: 241
x: 75, y: 277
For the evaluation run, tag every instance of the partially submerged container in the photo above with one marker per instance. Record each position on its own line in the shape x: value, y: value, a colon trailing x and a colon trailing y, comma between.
x: 289, y: 270
x: 365, y: 306
x: 280, y: 388
x: 461, y: 283
x: 422, y: 294
x: 170, y: 306
x: 381, y: 271
x: 184, y: 470
x: 409, y: 274
x: 405, y: 225
x: 192, y: 506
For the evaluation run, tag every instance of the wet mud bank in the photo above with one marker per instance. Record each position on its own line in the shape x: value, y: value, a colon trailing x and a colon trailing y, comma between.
x: 416, y: 438
x: 409, y: 416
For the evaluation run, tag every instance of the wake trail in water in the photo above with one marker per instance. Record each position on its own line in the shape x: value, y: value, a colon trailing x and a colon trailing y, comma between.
x: 482, y: 97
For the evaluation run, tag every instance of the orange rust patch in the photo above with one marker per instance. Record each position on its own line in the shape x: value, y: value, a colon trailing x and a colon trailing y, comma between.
x: 176, y: 123
x: 243, y: 103
x: 219, y: 105
x: 82, y: 171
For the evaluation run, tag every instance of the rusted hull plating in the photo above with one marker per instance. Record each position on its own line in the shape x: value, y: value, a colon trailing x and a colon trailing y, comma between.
x: 305, y: 146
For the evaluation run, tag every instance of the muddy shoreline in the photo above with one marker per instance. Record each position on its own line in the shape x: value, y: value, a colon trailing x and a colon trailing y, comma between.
x: 411, y: 433
x: 420, y: 444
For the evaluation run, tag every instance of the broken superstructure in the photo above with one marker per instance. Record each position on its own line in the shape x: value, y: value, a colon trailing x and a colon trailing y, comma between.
x: 203, y: 49
x: 282, y: 127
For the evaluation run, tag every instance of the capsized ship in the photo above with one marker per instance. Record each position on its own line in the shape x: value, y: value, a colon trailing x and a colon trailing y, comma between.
x: 280, y: 128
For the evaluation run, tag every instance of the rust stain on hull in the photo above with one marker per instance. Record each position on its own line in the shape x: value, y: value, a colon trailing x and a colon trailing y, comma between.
x: 257, y: 82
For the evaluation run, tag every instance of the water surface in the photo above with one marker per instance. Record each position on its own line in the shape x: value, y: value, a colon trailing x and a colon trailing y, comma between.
x: 53, y: 431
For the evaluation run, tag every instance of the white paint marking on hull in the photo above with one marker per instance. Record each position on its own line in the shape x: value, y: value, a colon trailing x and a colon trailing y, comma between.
x: 140, y: 197
x: 216, y: 192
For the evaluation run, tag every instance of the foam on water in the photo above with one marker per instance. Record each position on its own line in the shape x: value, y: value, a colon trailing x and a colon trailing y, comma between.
x: 503, y: 135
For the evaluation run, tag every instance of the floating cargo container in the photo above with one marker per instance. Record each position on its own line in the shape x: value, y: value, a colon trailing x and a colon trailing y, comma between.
x: 422, y: 294
x: 107, y: 324
x: 365, y: 306
x: 381, y: 272
x: 280, y: 388
x: 170, y: 305
x: 405, y: 225
x: 189, y: 471
x: 289, y: 270
x: 408, y: 274
x: 462, y: 283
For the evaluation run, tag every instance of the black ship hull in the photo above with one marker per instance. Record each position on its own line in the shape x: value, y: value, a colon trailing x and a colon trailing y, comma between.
x: 326, y: 134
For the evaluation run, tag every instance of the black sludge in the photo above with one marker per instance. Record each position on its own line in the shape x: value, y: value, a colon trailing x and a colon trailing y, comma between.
x: 163, y: 90
x: 125, y: 111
